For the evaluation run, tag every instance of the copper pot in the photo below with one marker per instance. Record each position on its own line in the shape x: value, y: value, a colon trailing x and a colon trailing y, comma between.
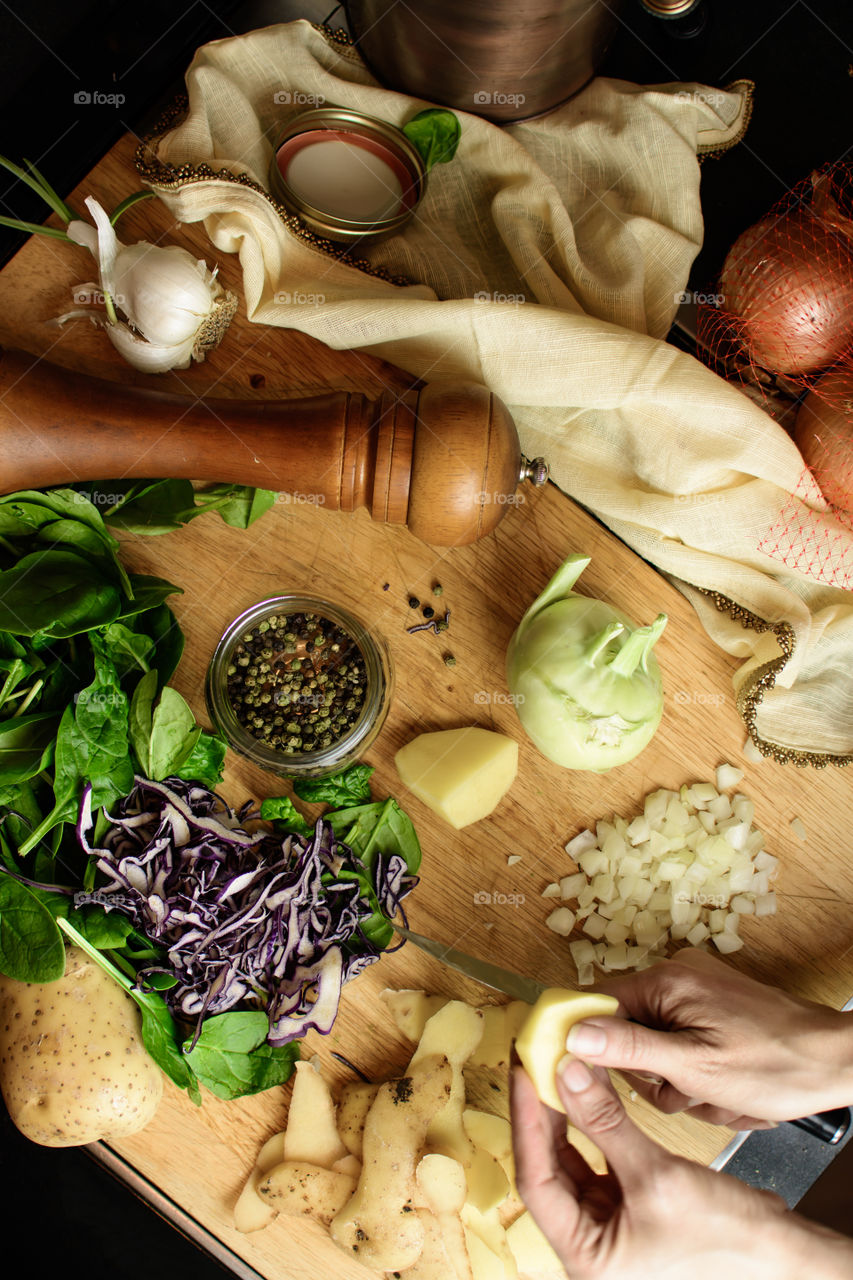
x: 502, y: 59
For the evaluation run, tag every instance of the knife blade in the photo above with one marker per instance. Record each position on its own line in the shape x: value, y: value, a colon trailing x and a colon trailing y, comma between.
x: 829, y: 1126
x: 491, y: 975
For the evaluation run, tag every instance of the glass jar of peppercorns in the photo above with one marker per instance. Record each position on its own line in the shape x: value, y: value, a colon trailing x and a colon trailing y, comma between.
x: 299, y: 686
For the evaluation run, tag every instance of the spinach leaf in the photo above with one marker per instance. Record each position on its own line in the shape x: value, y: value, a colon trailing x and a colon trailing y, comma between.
x: 99, y: 732
x: 174, y: 734
x: 380, y: 827
x: 26, y: 746
x: 91, y: 746
x: 151, y: 507
x: 435, y: 134
x: 281, y: 811
x: 348, y: 787
x: 130, y: 650
x: 165, y: 631
x: 141, y: 717
x: 31, y: 947
x: 206, y: 761
x: 232, y: 1057
x: 148, y: 593
x: 164, y: 732
x: 56, y: 593
x: 238, y: 505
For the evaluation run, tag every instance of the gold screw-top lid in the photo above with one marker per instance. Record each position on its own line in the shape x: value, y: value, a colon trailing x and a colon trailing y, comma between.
x: 669, y: 8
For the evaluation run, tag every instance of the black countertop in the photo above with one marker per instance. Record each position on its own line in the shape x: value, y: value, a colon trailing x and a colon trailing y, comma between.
x: 73, y: 79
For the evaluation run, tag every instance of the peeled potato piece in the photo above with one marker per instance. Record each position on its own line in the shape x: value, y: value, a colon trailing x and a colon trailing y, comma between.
x: 462, y: 774
x: 541, y: 1042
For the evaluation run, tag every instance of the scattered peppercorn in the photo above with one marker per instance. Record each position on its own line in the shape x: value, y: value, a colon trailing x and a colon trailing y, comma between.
x: 449, y: 660
x: 414, y: 602
x: 437, y: 589
x: 428, y: 611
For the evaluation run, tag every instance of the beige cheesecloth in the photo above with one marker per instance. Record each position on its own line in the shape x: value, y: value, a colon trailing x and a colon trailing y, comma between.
x: 549, y: 257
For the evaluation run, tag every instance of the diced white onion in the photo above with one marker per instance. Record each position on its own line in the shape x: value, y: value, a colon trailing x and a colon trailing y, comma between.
x: 798, y: 828
x: 570, y: 886
x: 689, y: 867
x: 728, y: 776
x: 583, y: 840
x: 561, y: 921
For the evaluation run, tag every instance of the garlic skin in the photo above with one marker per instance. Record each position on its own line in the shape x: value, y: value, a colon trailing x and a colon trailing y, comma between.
x: 164, y: 308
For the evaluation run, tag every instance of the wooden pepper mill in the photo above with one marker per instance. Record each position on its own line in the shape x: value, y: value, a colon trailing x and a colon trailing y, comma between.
x: 443, y: 459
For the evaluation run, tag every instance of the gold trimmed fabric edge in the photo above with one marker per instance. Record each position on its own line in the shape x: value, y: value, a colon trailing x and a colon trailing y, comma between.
x: 758, y: 682
x: 748, y: 87
x: 169, y: 177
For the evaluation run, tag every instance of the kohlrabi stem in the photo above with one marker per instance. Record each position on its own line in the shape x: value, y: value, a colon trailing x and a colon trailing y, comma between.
x: 637, y: 647
x: 596, y: 646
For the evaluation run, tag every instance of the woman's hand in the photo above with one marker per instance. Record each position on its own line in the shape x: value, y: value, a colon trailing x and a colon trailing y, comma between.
x: 708, y: 1039
x: 653, y: 1213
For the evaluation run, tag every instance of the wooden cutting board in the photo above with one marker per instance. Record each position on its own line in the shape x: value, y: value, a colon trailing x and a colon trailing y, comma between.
x: 468, y: 895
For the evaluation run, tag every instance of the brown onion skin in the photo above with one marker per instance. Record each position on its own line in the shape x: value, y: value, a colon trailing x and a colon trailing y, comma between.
x: 789, y: 282
x: 823, y: 432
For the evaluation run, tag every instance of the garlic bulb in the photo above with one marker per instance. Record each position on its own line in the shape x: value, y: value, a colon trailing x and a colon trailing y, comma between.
x: 164, y: 308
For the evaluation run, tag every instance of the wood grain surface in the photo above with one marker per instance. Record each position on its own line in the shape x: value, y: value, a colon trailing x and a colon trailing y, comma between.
x: 468, y: 895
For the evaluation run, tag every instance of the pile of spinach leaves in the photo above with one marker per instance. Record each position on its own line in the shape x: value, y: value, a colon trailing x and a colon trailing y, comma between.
x: 87, y: 650
x: 86, y: 653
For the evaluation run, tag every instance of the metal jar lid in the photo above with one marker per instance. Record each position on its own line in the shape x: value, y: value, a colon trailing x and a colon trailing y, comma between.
x: 342, y: 120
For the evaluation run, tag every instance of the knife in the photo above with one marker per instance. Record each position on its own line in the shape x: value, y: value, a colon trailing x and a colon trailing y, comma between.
x: 829, y: 1126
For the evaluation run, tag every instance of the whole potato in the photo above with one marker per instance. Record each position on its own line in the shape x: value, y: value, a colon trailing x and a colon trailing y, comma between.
x: 73, y: 1068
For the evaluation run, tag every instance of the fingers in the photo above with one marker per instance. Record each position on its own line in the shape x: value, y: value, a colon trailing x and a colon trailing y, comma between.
x: 537, y: 1132
x: 614, y: 1042
x: 593, y: 1106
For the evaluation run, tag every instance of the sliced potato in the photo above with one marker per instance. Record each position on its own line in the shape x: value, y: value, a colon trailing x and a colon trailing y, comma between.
x: 541, y: 1042
x: 444, y: 1256
x: 297, y: 1188
x: 532, y: 1252
x: 501, y: 1024
x: 492, y: 1133
x: 443, y: 1184
x: 379, y: 1224
x: 488, y: 1185
x: 455, y: 1031
x: 356, y: 1099
x: 412, y: 1010
x: 312, y: 1135
x: 488, y: 1228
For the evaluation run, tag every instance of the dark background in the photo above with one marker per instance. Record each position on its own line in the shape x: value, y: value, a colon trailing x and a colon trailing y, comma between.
x: 59, y: 1208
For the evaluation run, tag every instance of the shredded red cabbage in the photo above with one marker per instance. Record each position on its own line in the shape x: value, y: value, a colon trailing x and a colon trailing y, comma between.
x: 245, y: 917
